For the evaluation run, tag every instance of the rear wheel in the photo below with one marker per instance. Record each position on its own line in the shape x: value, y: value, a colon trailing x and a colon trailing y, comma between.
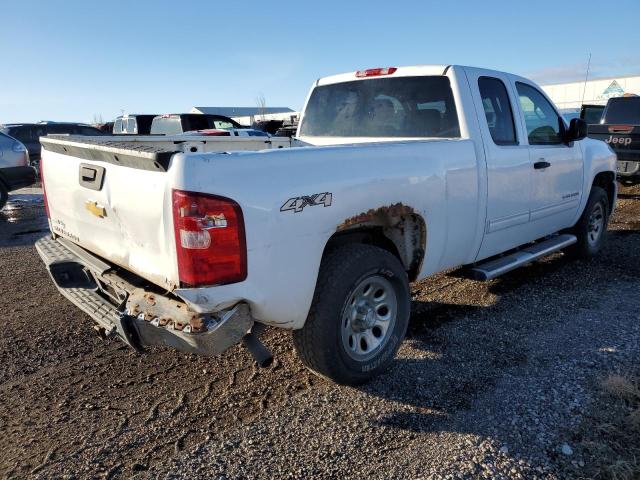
x: 592, y: 226
x: 4, y: 195
x: 358, y: 317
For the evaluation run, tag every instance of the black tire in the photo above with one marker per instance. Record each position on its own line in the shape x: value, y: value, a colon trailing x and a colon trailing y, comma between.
x: 325, y: 345
x: 4, y: 195
x: 588, y: 246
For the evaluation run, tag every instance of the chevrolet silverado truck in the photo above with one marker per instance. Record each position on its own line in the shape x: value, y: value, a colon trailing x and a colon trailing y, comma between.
x: 620, y: 128
x: 401, y: 173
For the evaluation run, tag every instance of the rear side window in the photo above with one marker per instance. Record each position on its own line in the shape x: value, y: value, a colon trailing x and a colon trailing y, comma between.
x: 541, y: 119
x: 222, y: 125
x: 497, y: 111
x: 383, y: 107
x: 624, y: 110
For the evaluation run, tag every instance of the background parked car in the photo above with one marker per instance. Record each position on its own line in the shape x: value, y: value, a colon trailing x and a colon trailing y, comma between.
x: 269, y: 126
x: 15, y: 171
x: 232, y: 132
x: 620, y: 129
x: 29, y: 134
x: 135, y: 124
x: 176, y: 123
x: 591, y: 114
x: 106, y: 127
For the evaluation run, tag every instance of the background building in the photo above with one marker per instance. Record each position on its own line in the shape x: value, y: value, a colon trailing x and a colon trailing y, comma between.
x: 571, y: 96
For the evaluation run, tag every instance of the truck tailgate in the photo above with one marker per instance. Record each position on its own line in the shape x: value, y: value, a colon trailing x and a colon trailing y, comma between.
x: 113, y: 200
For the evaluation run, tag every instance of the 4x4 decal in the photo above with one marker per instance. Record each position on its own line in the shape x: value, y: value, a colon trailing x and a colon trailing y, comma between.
x: 297, y: 204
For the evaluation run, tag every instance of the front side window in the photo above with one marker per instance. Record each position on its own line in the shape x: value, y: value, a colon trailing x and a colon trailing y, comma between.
x: 541, y: 119
x: 383, y: 107
x: 497, y: 111
x: 222, y: 125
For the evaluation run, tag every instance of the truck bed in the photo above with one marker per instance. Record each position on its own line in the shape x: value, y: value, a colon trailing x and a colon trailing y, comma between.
x: 176, y: 143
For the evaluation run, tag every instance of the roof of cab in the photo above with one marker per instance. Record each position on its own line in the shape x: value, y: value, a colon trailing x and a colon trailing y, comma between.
x: 408, y: 71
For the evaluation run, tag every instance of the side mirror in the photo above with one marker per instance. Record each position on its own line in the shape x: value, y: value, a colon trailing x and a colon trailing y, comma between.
x: 577, y: 130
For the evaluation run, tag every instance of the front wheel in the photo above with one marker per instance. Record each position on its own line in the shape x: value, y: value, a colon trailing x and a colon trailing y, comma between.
x: 358, y: 317
x: 592, y: 226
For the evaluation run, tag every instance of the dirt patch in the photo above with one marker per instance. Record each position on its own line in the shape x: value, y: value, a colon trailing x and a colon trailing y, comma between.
x: 493, y: 379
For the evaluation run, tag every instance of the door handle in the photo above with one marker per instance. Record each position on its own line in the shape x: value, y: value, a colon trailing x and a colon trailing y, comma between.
x: 541, y: 164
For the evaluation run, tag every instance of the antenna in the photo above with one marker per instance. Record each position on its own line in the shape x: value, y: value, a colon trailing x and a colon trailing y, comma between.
x: 584, y: 89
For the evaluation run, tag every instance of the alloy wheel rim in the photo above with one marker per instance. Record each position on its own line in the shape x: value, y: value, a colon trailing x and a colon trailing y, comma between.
x: 368, y: 318
x: 595, y: 226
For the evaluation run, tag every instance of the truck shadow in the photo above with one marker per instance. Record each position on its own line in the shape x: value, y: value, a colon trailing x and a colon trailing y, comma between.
x: 456, y: 353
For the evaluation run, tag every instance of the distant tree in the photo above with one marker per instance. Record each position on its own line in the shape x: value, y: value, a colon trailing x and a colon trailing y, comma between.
x: 261, y: 102
x: 97, y: 119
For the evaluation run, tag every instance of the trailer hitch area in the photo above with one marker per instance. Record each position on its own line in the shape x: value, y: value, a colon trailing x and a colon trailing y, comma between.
x: 163, y: 311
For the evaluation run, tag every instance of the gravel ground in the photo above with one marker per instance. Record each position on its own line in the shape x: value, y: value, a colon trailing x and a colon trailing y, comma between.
x: 492, y: 382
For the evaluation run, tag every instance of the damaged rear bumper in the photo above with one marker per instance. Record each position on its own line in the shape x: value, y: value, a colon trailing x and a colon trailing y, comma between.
x: 132, y: 310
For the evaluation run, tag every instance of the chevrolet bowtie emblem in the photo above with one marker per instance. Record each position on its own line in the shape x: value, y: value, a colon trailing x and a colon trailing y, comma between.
x: 95, y: 209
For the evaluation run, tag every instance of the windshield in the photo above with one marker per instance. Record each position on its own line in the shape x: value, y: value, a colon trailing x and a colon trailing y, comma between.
x: 383, y: 107
x: 624, y: 110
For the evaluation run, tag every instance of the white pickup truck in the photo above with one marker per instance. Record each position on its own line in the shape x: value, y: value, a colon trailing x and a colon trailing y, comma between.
x: 402, y: 173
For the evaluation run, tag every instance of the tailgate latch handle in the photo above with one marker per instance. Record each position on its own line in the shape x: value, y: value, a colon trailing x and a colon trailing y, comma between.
x: 91, y: 176
x: 88, y: 174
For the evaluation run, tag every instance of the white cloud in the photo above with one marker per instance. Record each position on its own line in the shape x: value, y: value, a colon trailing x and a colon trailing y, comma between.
x: 575, y: 72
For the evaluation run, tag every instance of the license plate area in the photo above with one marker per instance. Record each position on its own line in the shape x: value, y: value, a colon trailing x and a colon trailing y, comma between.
x: 628, y: 168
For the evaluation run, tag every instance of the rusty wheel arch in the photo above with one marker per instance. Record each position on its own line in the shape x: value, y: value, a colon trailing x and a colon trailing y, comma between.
x: 397, y: 228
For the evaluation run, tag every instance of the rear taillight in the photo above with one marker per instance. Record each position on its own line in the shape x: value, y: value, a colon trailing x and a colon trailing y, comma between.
x: 44, y: 190
x: 210, y: 239
x: 620, y: 128
x: 375, y: 72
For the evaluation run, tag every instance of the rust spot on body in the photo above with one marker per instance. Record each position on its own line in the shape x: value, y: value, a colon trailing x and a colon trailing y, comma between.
x: 380, y: 215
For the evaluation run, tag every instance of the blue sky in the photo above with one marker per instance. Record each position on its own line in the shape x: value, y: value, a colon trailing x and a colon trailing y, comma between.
x: 71, y: 60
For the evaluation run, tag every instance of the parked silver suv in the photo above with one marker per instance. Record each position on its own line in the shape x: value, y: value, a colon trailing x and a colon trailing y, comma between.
x: 15, y: 171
